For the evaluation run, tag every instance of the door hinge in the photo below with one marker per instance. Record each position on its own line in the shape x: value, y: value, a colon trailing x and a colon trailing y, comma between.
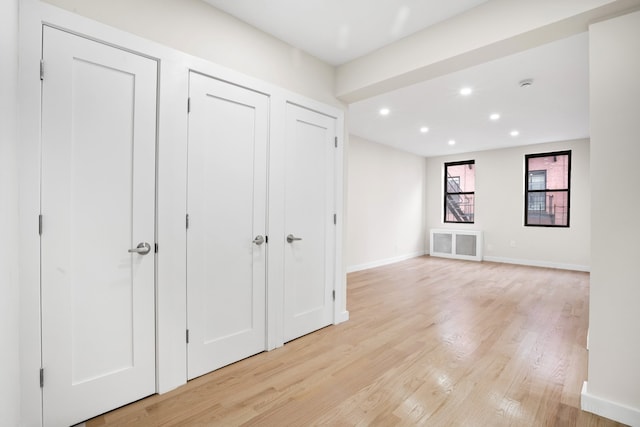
x: 187, y: 221
x: 40, y: 224
x: 155, y: 249
x: 188, y: 105
x: 335, y: 219
x: 333, y: 294
x: 187, y: 336
x: 41, y: 377
x: 335, y: 139
x: 42, y: 69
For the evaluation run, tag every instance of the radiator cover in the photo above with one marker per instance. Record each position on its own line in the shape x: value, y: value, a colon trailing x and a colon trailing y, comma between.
x: 460, y: 244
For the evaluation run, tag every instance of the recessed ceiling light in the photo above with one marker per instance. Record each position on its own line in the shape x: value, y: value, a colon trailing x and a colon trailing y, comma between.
x: 465, y: 91
x: 514, y: 133
x: 494, y: 116
x: 452, y: 142
x: 424, y: 129
x: 384, y: 111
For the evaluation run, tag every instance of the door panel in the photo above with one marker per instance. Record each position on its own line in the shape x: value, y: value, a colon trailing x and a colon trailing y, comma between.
x: 227, y: 191
x: 309, y: 210
x: 98, y: 186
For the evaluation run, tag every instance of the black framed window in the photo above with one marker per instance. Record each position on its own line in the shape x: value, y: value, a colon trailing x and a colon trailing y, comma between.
x: 547, y: 189
x: 459, y: 191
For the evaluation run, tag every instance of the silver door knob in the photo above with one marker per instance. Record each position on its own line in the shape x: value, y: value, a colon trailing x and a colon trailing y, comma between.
x: 142, y: 249
x: 291, y: 238
x: 258, y: 240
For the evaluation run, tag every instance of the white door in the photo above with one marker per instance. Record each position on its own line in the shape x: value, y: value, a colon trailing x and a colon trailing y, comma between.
x: 226, y: 248
x: 97, y: 202
x: 309, y: 221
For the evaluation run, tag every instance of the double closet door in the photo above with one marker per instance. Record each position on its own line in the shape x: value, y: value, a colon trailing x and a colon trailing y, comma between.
x: 227, y: 232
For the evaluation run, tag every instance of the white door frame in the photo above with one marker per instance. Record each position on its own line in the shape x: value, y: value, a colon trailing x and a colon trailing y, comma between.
x: 171, y: 189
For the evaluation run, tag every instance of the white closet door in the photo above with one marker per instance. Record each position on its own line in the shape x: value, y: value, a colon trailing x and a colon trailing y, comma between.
x: 98, y: 186
x: 309, y: 221
x: 227, y: 193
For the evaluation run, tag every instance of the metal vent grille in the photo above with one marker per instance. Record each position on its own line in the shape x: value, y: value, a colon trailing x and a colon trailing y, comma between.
x: 443, y: 242
x: 466, y: 244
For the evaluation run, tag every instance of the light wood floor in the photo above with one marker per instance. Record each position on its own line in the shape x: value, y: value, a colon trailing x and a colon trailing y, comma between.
x: 430, y: 342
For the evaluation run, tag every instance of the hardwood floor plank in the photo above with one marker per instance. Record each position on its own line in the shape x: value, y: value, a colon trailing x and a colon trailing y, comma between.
x: 430, y: 341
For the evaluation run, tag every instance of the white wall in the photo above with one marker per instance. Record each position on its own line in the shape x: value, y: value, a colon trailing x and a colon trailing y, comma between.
x: 385, y: 205
x: 500, y: 207
x: 195, y: 27
x: 9, y: 299
x: 613, y: 387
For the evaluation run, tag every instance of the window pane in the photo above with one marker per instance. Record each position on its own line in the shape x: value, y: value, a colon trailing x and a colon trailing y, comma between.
x: 459, y: 208
x: 548, y: 208
x: 538, y: 180
x: 453, y: 184
x: 537, y: 201
x: 555, y: 169
x: 461, y: 178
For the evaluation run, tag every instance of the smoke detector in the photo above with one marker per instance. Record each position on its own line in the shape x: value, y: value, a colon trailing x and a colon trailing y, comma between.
x: 526, y: 83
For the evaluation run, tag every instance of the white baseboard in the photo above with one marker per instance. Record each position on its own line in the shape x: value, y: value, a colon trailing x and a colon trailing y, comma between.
x: 382, y: 262
x: 605, y: 408
x: 342, y: 317
x: 533, y: 263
